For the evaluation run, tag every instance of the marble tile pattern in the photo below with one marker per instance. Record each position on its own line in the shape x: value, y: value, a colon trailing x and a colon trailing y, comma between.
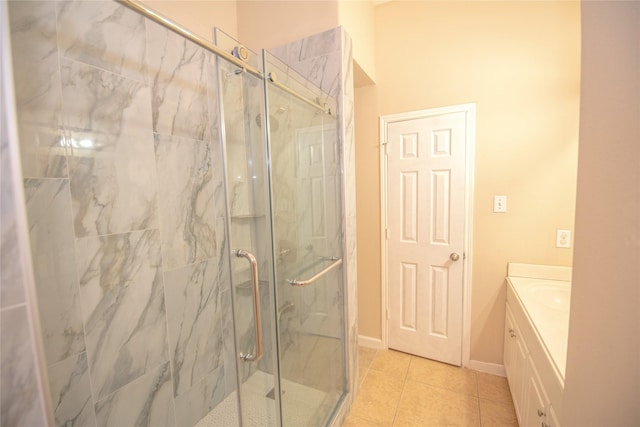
x: 126, y: 205
x: 317, y: 58
x: 346, y: 114
x: 71, y: 391
x: 21, y: 399
x: 147, y: 401
x: 113, y: 38
x: 122, y: 300
x: 179, y: 71
x: 193, y: 305
x: 38, y: 90
x: 53, y: 250
x: 229, y: 358
x: 11, y: 274
x: 201, y: 398
x: 113, y: 181
x: 186, y: 204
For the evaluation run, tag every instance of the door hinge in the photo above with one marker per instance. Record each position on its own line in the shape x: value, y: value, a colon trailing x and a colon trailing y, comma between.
x: 386, y: 314
x: 386, y: 234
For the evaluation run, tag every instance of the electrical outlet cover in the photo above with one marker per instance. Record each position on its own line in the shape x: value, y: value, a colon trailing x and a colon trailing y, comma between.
x: 563, y: 238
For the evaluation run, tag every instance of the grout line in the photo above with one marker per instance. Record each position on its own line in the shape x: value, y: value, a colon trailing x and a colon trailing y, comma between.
x: 361, y: 380
x: 478, y: 397
x: 404, y: 386
x: 406, y: 377
x: 364, y: 376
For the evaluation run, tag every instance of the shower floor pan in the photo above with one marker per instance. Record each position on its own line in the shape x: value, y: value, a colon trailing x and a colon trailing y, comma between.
x: 302, y: 405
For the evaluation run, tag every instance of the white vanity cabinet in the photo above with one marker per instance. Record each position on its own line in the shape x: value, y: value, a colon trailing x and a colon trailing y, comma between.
x: 552, y: 417
x: 535, y: 389
x: 537, y: 403
x: 530, y: 398
x: 515, y: 362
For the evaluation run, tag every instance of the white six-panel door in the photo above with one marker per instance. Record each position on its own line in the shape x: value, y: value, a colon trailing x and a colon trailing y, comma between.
x: 425, y: 238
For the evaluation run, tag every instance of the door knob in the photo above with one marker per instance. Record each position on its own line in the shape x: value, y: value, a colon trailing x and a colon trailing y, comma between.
x: 454, y: 256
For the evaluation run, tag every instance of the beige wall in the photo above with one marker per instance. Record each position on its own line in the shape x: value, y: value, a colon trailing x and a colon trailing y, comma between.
x: 603, y: 361
x: 200, y: 16
x: 368, y: 210
x: 519, y: 62
x: 357, y: 18
x: 267, y: 24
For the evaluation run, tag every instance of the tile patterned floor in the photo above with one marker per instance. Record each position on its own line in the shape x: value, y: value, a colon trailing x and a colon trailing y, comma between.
x: 398, y: 390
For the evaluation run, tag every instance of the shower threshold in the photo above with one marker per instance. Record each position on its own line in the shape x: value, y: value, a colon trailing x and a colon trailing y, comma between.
x: 301, y: 410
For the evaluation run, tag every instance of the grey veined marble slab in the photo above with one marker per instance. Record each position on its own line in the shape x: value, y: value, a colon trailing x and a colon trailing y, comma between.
x: 37, y: 88
x: 194, y: 320
x: 103, y: 34
x: 123, y: 305
x: 54, y: 258
x: 144, y: 402
x: 187, y: 204
x: 179, y: 72
x: 11, y: 273
x: 71, y: 392
x: 19, y: 387
x: 112, y: 170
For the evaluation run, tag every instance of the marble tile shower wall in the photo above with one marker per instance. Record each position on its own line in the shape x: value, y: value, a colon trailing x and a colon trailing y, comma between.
x: 125, y: 203
x: 20, y: 397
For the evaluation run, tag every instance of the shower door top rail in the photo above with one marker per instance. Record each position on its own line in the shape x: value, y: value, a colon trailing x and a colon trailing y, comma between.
x: 140, y: 8
x: 336, y: 262
x: 178, y: 29
x: 272, y: 77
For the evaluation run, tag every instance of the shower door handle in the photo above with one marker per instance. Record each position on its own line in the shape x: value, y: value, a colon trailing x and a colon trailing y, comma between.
x: 256, y: 306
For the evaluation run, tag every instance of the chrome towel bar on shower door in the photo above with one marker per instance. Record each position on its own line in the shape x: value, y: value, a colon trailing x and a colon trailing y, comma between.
x: 336, y: 262
x: 248, y: 357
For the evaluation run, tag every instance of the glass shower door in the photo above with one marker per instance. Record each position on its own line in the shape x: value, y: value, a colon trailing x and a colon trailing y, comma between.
x: 285, y: 219
x: 242, y: 98
x: 307, y: 238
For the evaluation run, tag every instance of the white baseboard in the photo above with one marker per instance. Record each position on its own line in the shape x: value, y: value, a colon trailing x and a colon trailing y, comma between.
x: 476, y: 365
x: 369, y: 342
x: 489, y: 368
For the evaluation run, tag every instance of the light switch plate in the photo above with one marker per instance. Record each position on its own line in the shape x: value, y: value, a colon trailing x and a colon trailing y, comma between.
x: 500, y: 204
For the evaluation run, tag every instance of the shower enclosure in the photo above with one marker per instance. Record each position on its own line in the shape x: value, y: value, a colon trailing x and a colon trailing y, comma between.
x: 286, y: 219
x: 184, y: 204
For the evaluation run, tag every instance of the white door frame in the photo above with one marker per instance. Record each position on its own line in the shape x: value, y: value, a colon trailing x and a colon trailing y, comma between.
x: 470, y: 111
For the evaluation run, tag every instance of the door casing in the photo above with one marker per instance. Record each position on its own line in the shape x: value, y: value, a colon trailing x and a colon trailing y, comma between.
x: 470, y: 111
